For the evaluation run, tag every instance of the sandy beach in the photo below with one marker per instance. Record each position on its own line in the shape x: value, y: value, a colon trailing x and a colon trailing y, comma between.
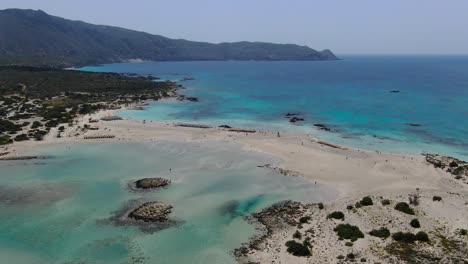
x: 354, y: 173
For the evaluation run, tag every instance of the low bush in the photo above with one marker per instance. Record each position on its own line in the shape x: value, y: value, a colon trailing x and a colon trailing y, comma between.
x: 366, y: 201
x: 349, y: 244
x: 436, y: 198
x: 422, y: 236
x: 304, y: 219
x: 336, y: 215
x: 21, y: 137
x: 297, y: 235
x: 347, y: 231
x: 415, y: 223
x: 297, y: 249
x: 320, y: 206
x: 385, y: 202
x: 383, y: 232
x: 404, y: 237
x: 404, y: 207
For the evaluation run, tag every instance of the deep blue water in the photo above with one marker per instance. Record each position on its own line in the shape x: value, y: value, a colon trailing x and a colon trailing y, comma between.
x: 352, y: 96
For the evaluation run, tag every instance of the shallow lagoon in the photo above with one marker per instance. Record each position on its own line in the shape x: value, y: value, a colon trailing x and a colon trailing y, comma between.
x: 55, y: 210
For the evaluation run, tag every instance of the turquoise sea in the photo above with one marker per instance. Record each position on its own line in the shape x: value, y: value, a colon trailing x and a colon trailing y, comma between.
x: 352, y: 96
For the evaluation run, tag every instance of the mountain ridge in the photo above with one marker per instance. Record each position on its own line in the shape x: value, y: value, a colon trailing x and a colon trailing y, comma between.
x: 35, y: 38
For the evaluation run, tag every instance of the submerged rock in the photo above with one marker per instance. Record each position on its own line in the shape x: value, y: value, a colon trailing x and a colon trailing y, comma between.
x: 322, y: 127
x: 296, y: 119
x: 414, y: 124
x: 394, y: 91
x: 225, y: 126
x: 151, y: 183
x: 151, y: 212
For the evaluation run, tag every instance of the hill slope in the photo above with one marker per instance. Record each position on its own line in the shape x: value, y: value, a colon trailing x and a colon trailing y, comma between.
x: 29, y: 37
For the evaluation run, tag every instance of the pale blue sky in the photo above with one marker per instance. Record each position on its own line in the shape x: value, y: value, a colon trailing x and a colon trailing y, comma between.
x: 344, y: 26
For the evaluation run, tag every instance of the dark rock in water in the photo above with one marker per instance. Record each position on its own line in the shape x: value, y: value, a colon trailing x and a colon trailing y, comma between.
x: 192, y: 99
x: 295, y: 119
x: 151, y: 212
x: 225, y: 126
x: 322, y: 127
x: 414, y: 124
x: 394, y: 91
x: 292, y: 114
x: 187, y: 79
x: 148, y: 216
x: 152, y: 183
x: 27, y: 158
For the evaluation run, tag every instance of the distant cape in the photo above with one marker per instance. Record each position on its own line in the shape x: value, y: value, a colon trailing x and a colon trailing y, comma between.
x: 34, y: 38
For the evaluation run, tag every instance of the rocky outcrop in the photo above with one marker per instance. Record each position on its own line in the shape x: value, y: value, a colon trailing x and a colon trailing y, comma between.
x: 148, y: 216
x: 151, y: 212
x: 281, y: 171
x: 277, y: 217
x: 456, y: 167
x: 151, y: 183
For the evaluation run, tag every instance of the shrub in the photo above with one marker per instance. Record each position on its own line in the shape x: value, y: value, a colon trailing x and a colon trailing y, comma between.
x: 4, y: 140
x: 61, y: 128
x: 349, y: 207
x: 304, y: 219
x: 383, y: 232
x: 463, y: 232
x: 297, y: 235
x: 21, y: 137
x: 436, y: 198
x: 453, y: 164
x: 340, y: 257
x: 350, y: 256
x: 422, y: 236
x: 336, y: 215
x: 366, y: 201
x: 385, y: 202
x: 297, y: 249
x: 347, y: 231
x: 320, y: 206
x: 404, y: 207
x: 358, y: 205
x: 415, y: 223
x: 36, y: 124
x: 363, y: 259
x: 404, y: 237
x: 349, y: 244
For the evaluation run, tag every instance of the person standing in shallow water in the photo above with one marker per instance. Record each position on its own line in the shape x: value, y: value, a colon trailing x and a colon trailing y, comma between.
x: 278, y: 134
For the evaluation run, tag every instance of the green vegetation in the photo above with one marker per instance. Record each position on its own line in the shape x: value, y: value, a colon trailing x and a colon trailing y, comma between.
x: 65, y: 43
x: 320, y: 206
x: 436, y: 198
x: 408, y: 237
x: 298, y: 249
x: 347, y: 231
x: 385, y: 202
x: 404, y: 207
x: 297, y: 235
x: 415, y: 223
x: 21, y: 137
x: 366, y: 201
x: 383, y: 232
x: 58, y: 96
x: 463, y: 232
x: 304, y: 219
x: 349, y: 244
x: 336, y: 215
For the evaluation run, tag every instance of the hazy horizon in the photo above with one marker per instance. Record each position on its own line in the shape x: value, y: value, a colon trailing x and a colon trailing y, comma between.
x: 367, y: 27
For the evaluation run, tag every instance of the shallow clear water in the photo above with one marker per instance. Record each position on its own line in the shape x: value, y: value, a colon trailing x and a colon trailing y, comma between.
x: 54, y: 210
x: 352, y: 96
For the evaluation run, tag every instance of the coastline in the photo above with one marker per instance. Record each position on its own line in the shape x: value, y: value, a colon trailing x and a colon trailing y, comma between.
x: 353, y: 172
